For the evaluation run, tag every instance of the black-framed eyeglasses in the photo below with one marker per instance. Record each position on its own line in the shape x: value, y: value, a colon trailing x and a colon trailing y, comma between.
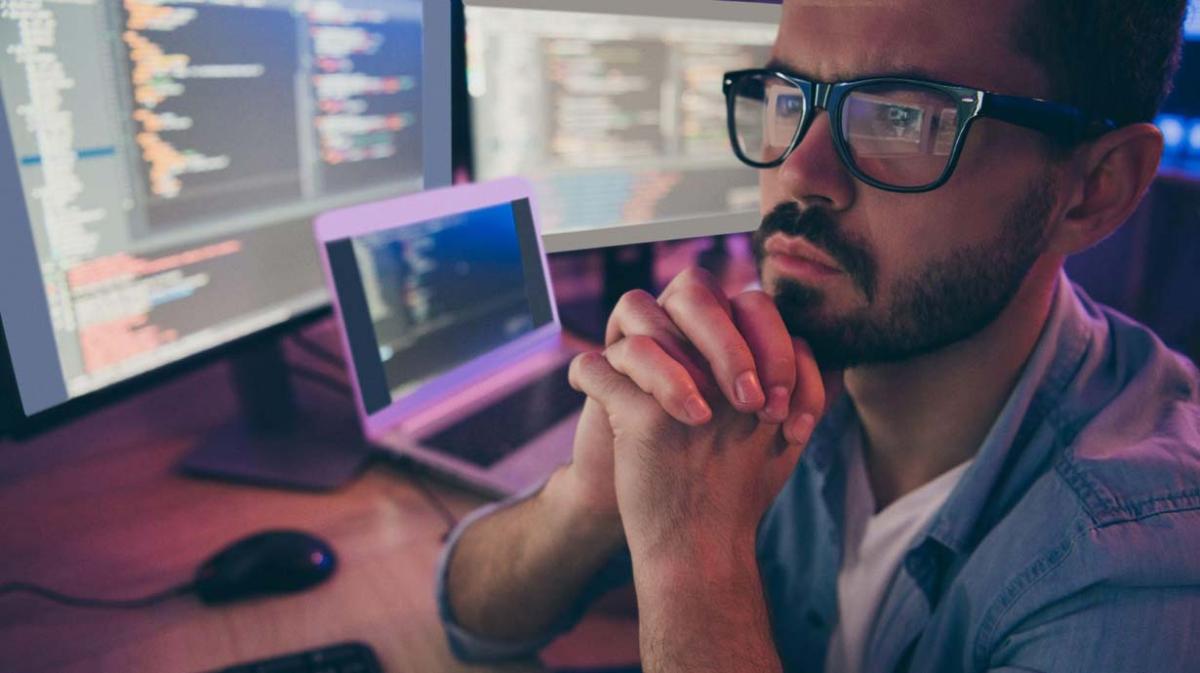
x: 894, y: 133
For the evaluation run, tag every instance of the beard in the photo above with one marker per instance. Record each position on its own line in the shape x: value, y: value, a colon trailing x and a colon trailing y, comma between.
x: 950, y: 299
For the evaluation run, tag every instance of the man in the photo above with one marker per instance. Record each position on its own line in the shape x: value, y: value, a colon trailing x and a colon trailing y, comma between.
x: 1010, y: 480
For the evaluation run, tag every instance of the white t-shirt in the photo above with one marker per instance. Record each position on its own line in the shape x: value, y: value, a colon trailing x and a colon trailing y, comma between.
x: 871, y: 552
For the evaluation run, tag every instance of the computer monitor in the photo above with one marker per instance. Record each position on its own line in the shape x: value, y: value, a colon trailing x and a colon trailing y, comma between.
x: 161, y: 162
x: 614, y: 111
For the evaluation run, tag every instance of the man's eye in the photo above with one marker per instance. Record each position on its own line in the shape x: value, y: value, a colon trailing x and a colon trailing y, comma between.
x: 899, y: 119
x: 790, y: 106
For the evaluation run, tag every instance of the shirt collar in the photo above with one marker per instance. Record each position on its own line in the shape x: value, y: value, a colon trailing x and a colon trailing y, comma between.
x: 1007, y: 460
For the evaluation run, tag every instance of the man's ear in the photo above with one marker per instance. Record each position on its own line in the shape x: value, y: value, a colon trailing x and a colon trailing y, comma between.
x: 1111, y: 176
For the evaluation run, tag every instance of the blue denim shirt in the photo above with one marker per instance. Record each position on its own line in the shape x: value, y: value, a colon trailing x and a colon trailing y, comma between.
x: 1071, y: 543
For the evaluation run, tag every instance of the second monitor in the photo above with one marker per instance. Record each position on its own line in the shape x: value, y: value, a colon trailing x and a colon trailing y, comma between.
x: 614, y: 110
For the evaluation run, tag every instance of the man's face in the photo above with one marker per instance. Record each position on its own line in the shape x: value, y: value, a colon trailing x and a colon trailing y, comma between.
x: 915, y: 272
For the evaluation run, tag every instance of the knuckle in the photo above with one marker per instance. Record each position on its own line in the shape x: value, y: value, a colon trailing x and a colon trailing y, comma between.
x: 574, y: 372
x: 694, y: 275
x: 780, y: 369
x: 614, y: 355
x: 677, y: 393
x: 585, y: 363
x: 633, y: 300
x: 589, y: 359
x: 739, y: 356
x: 670, y: 301
x: 691, y: 278
x: 687, y: 296
x: 754, y: 299
x: 640, y: 346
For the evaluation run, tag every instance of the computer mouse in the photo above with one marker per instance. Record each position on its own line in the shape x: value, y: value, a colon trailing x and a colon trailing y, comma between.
x: 270, y: 562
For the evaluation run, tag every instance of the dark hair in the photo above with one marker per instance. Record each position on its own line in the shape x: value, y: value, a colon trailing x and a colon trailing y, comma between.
x: 1112, y: 58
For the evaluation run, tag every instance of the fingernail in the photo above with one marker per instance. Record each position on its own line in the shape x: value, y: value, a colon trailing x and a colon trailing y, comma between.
x: 800, y: 429
x: 747, y: 389
x: 777, y: 404
x: 697, y: 409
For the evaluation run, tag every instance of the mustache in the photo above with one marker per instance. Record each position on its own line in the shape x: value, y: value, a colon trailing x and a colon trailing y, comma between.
x: 818, y: 228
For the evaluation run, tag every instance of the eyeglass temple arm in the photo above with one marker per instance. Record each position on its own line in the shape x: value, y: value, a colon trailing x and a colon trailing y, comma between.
x: 1061, y: 121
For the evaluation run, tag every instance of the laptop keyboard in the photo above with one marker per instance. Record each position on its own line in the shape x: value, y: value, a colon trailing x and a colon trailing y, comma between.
x: 495, y: 431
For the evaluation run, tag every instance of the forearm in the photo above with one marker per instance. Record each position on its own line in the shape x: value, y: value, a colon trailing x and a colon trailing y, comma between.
x: 515, y: 573
x: 704, y: 613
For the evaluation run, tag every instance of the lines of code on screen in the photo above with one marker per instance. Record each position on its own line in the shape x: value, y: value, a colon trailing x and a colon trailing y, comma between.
x: 443, y: 292
x: 173, y: 152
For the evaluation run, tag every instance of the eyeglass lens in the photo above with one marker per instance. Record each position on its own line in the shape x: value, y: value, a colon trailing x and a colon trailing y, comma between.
x: 897, y: 134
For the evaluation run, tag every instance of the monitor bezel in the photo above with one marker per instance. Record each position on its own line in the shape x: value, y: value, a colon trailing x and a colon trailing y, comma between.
x: 416, y: 210
x: 436, y: 159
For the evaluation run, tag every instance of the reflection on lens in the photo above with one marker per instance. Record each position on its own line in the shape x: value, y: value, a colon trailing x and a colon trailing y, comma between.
x: 901, y: 135
x: 767, y: 112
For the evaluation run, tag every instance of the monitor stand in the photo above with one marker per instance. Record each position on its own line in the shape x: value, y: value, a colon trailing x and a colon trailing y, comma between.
x: 276, y: 441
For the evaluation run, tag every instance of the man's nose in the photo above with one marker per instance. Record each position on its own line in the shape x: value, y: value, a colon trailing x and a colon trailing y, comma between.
x: 814, y: 172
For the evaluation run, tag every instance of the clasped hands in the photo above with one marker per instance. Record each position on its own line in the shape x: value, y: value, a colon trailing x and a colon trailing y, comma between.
x: 697, y: 412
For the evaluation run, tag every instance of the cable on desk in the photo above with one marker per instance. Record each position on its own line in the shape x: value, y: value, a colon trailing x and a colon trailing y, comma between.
x: 317, y: 350
x: 435, y: 502
x: 108, y: 603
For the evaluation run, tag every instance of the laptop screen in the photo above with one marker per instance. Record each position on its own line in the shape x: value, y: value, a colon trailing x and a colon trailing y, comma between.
x: 421, y: 299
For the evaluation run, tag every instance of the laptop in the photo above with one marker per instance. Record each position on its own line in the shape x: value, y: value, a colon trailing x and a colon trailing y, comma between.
x: 447, y: 315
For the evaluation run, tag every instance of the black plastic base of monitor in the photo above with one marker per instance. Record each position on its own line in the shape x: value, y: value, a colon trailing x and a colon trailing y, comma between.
x: 309, y: 457
x: 277, y: 442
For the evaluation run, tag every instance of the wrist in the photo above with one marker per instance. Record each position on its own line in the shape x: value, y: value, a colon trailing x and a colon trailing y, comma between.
x: 697, y: 570
x: 582, y: 517
x: 705, y: 612
x: 696, y: 547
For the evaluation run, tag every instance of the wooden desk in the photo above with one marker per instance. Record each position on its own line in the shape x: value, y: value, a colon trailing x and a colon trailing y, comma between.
x: 95, y: 509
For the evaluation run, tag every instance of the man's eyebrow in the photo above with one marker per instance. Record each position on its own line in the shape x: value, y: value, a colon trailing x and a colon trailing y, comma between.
x: 780, y: 66
x: 908, y: 71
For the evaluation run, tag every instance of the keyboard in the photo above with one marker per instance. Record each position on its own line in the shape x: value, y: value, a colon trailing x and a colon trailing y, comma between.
x: 339, y: 658
x: 495, y: 431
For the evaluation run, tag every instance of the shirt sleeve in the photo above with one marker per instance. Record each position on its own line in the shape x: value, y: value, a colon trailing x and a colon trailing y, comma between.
x: 473, y: 648
x: 1117, y: 598
x: 1122, y: 629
